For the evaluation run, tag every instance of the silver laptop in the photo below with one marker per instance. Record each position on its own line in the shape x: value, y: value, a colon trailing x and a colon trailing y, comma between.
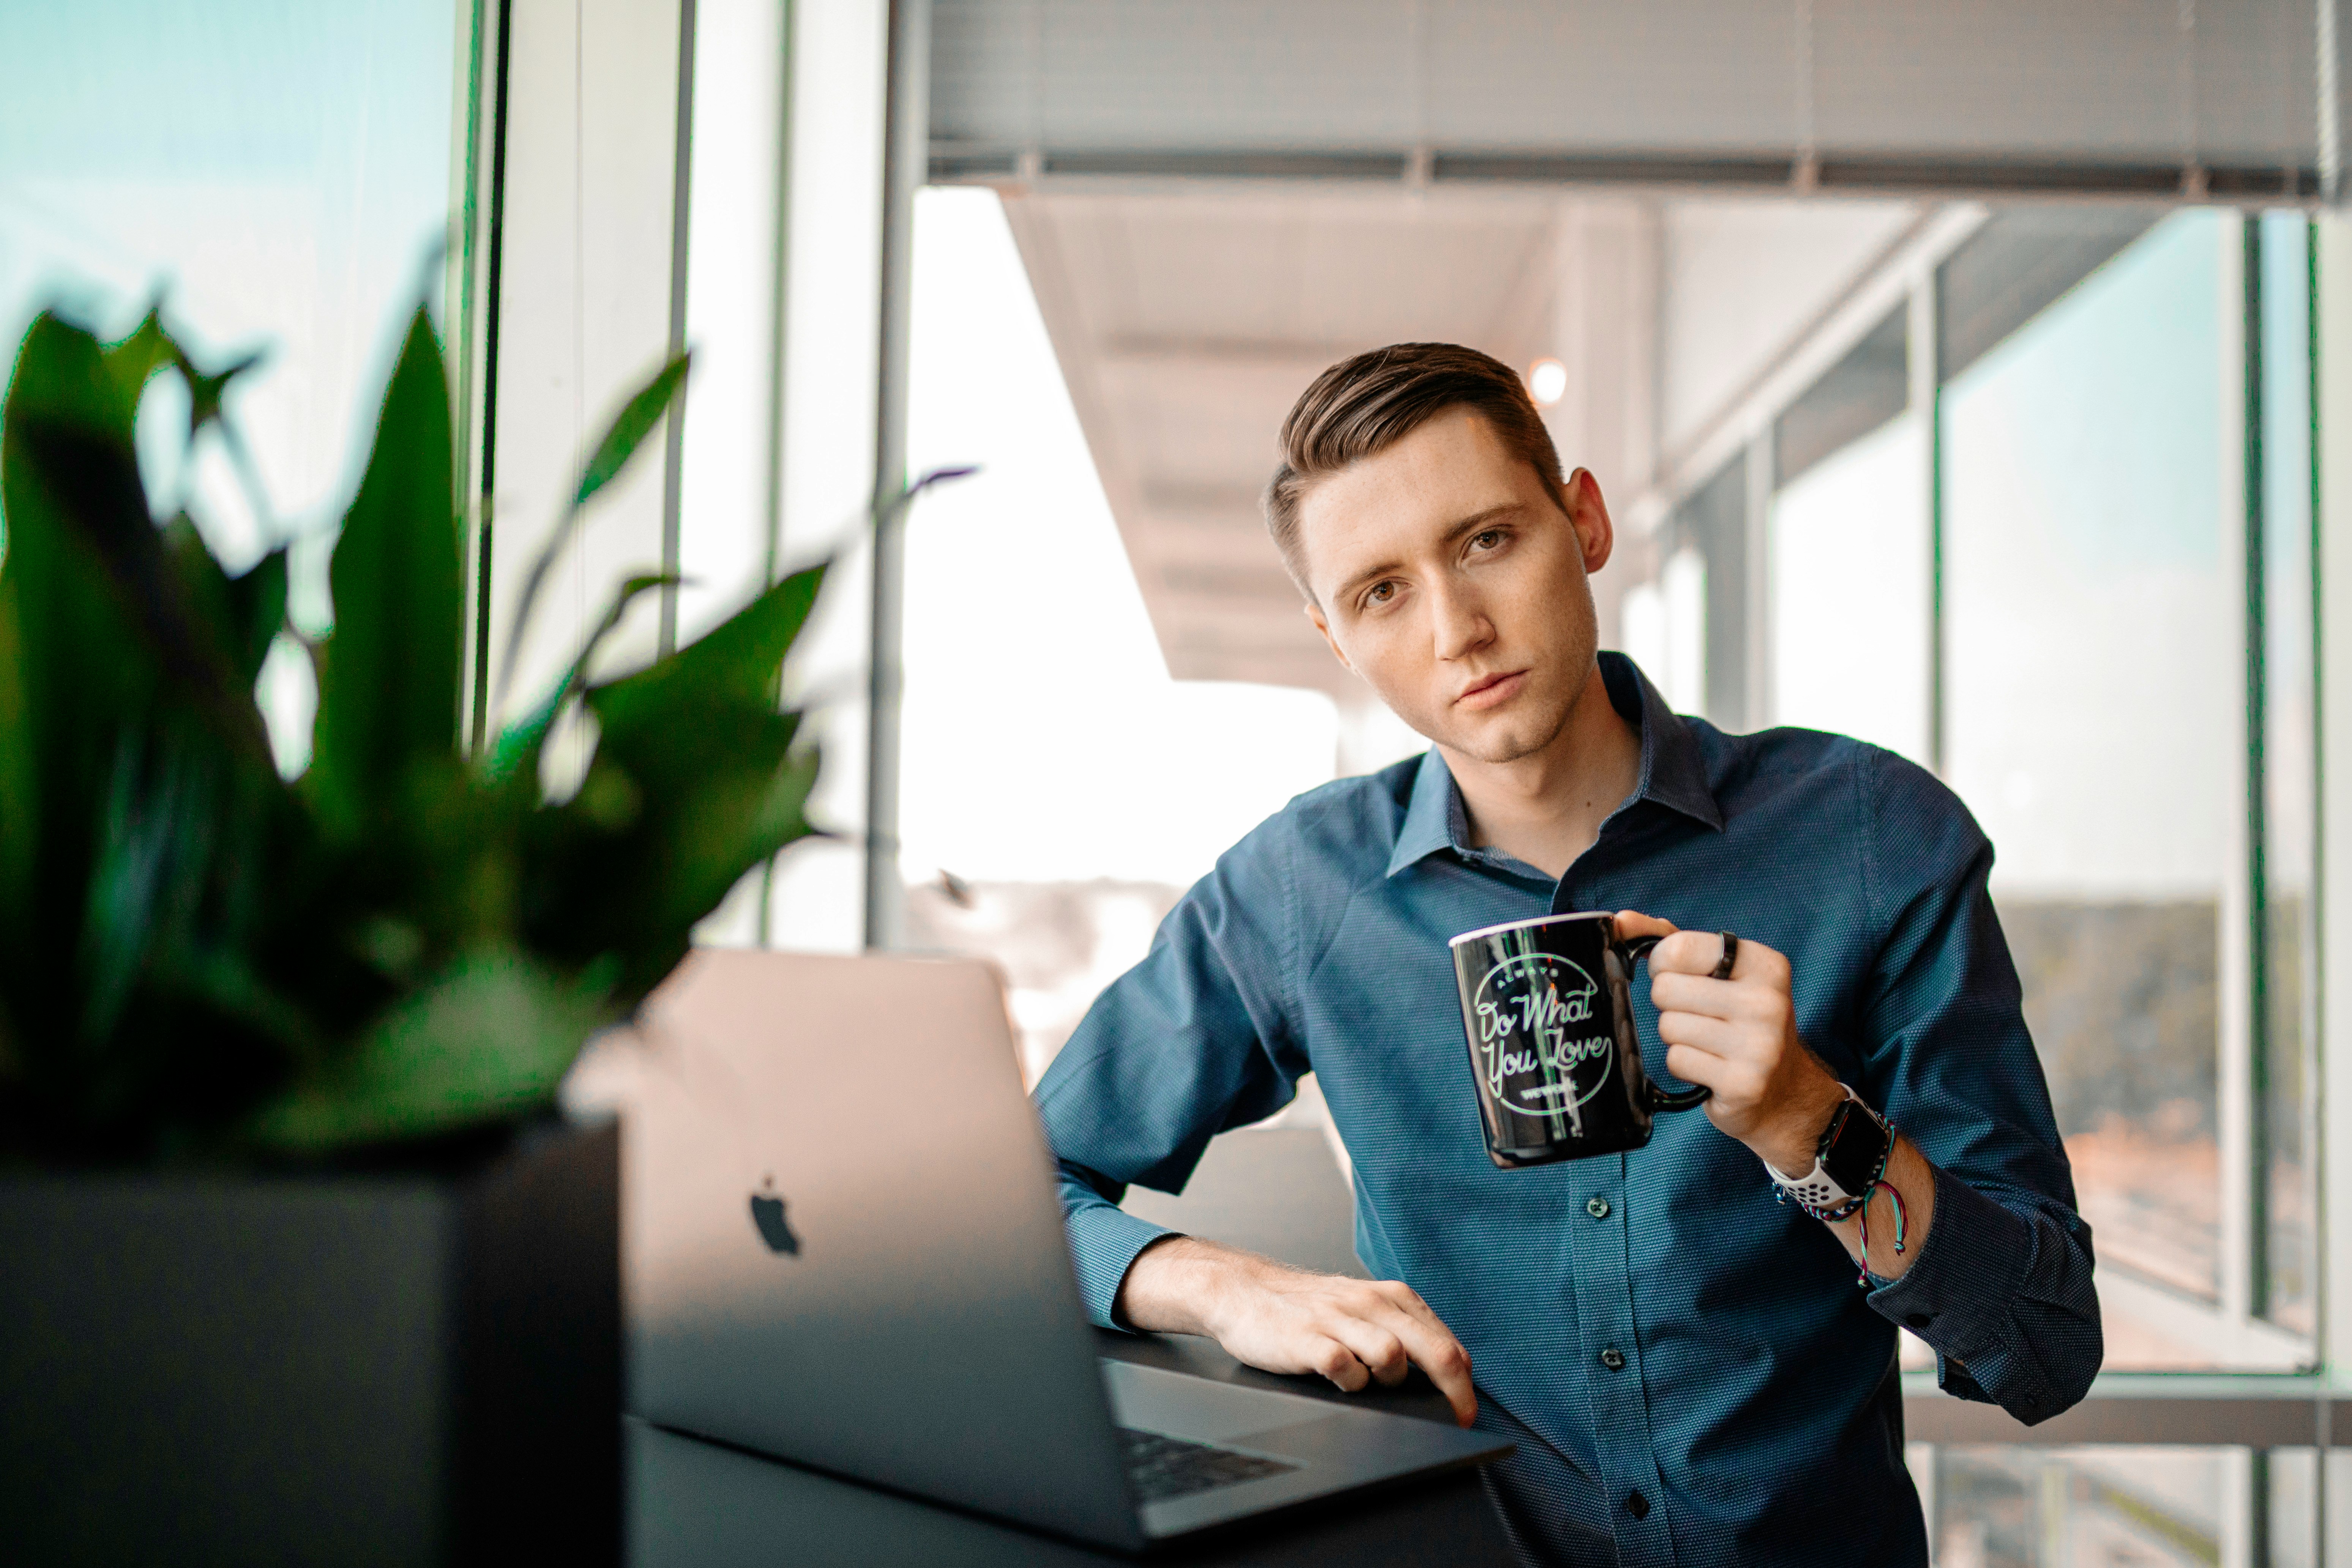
x: 843, y: 1247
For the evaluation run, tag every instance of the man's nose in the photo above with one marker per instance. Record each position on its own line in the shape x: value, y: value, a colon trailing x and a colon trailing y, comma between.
x: 1459, y: 622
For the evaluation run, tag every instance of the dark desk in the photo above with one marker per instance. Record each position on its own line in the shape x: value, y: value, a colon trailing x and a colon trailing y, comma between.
x: 697, y: 1505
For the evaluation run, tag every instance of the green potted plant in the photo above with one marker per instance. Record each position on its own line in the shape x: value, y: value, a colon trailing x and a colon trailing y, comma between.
x: 296, y: 1262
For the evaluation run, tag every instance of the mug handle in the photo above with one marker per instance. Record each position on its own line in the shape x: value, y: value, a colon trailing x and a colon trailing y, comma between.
x: 1631, y: 952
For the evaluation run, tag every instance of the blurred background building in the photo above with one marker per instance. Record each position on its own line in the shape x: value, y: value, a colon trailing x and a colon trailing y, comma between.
x: 1971, y: 378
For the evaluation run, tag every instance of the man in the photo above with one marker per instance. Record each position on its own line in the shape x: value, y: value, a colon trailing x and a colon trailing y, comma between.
x: 1687, y: 1366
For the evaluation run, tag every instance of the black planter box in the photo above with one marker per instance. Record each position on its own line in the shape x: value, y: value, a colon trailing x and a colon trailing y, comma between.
x: 393, y: 1369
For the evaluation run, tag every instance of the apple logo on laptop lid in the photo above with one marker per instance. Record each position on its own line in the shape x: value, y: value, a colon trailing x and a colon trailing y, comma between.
x: 768, y: 1214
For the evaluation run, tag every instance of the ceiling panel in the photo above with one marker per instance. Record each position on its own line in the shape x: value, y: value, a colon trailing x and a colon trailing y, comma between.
x: 1954, y: 84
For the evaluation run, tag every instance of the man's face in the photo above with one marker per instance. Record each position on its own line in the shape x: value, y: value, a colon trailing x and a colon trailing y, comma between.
x: 1446, y: 575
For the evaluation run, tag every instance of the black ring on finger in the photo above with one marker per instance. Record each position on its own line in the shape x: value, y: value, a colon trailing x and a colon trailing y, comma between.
x: 1730, y: 956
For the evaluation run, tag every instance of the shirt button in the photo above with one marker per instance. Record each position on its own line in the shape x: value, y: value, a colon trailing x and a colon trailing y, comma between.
x: 1613, y: 1359
x: 1637, y: 1505
x: 1920, y: 1320
x: 1597, y: 1207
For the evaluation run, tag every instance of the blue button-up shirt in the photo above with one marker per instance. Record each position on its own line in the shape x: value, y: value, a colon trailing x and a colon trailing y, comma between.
x: 1691, y: 1342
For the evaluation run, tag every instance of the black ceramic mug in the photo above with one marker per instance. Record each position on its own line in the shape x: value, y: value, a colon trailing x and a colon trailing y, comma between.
x: 1549, y: 1013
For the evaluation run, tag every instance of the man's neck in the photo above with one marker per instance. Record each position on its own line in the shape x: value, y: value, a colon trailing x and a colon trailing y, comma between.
x: 1546, y: 809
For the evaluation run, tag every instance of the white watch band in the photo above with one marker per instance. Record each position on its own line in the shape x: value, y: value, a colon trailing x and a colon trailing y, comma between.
x: 1816, y: 1188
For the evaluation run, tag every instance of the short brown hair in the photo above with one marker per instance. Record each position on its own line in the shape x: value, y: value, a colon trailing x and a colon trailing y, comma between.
x: 1364, y: 405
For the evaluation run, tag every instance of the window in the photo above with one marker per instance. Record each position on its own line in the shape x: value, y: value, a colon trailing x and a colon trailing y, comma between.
x: 1711, y: 526
x: 1850, y: 575
x: 2094, y: 689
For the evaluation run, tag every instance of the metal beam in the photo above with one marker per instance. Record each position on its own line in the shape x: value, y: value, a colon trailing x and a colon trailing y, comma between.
x: 2140, y: 1409
x: 1914, y: 178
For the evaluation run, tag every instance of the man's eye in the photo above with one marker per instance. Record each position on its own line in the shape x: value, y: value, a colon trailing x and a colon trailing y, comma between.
x: 1380, y: 593
x: 1489, y: 540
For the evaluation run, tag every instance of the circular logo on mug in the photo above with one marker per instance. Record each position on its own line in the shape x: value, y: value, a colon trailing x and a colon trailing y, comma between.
x: 1540, y: 1048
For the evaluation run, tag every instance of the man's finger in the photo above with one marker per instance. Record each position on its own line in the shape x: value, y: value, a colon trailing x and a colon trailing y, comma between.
x: 1697, y: 953
x: 1704, y: 1068
x: 1437, y: 1352
x: 1409, y: 1299
x: 1336, y: 1362
x: 1717, y: 1037
x: 1380, y: 1349
x: 1686, y: 992
x: 1634, y: 922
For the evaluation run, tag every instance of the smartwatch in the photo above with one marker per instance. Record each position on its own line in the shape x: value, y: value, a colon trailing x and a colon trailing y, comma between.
x: 1851, y: 1155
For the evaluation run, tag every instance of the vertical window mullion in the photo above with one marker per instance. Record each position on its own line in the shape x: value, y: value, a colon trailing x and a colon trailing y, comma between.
x: 2315, y: 1054
x: 2257, y: 581
x: 1923, y: 342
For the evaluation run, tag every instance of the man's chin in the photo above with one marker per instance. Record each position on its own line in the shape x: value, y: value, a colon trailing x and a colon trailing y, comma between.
x: 1503, y: 744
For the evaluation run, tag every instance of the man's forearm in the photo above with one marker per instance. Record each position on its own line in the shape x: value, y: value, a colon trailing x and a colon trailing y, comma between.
x: 1171, y: 1286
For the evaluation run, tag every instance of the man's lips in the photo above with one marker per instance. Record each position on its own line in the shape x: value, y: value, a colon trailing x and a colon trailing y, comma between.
x: 1493, y: 691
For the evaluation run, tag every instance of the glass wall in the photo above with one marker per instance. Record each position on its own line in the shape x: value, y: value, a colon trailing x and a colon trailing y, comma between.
x: 2093, y: 696
x: 2073, y: 571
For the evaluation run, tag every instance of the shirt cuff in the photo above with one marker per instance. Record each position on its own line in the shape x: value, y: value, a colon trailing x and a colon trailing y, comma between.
x: 1104, y: 1242
x: 1957, y: 1293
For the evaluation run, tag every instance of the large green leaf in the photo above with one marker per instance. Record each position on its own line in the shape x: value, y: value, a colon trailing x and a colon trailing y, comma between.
x: 78, y: 666
x: 389, y: 673
x: 517, y: 747
x: 243, y: 613
x: 736, y: 661
x: 666, y: 825
x: 20, y: 805
x: 257, y: 611
x: 695, y: 749
x: 150, y: 347
x: 486, y: 1041
x: 636, y: 421
x: 716, y: 804
x: 154, y: 841
x: 627, y: 431
x: 134, y: 360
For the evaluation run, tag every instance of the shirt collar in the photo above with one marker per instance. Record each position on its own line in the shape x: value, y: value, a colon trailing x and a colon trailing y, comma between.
x: 1674, y: 775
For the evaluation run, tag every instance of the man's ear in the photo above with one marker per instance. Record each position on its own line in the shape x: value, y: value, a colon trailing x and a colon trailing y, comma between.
x: 1314, y: 614
x: 1589, y: 515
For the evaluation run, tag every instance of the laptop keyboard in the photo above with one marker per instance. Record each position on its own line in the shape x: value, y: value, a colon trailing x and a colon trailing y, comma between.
x: 1163, y: 1468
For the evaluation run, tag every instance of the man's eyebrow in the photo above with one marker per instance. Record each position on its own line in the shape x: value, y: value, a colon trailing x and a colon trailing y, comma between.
x: 1471, y: 524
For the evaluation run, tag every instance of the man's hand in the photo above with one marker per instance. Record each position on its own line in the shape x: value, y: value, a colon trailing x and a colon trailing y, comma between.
x: 1279, y: 1319
x: 1738, y: 1037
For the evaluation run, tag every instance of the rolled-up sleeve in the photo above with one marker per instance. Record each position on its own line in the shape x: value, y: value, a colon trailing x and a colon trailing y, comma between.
x: 2001, y: 1289
x: 1194, y: 1039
